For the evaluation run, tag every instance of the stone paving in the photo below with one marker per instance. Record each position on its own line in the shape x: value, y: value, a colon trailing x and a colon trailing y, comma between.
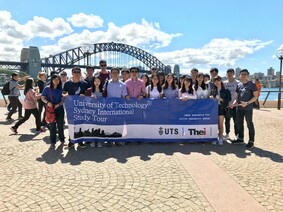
x: 146, y: 177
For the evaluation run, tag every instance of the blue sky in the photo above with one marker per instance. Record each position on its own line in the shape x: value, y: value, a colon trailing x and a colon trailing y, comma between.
x: 201, y: 34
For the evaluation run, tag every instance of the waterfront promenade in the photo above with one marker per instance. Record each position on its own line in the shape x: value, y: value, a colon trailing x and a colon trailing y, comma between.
x: 145, y: 177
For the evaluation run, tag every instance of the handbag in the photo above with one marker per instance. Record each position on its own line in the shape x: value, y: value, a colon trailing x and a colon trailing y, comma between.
x: 50, y: 111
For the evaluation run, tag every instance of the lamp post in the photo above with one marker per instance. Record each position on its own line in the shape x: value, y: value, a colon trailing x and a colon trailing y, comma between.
x: 279, y: 54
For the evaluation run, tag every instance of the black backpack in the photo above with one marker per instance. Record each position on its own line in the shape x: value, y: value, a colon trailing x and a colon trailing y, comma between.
x: 6, y: 88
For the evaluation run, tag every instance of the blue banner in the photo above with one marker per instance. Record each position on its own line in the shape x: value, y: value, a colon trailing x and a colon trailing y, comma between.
x: 161, y: 120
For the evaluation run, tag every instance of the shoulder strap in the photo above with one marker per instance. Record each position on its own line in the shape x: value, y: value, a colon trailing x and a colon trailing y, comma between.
x: 50, y: 93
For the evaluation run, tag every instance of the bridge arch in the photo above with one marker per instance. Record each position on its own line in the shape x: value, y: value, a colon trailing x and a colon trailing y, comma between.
x: 69, y: 58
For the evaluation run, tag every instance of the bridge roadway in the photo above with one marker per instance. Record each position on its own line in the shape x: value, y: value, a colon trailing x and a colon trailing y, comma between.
x: 146, y: 177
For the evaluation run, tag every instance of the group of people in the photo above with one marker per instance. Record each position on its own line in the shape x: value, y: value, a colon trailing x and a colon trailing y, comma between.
x: 235, y: 98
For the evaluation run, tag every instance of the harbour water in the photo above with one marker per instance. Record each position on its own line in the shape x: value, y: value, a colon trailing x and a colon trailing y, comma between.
x: 273, y: 96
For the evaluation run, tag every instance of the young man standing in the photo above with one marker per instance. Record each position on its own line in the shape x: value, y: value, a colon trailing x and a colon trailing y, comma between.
x: 75, y: 87
x: 115, y: 89
x: 14, y: 96
x: 213, y: 74
x: 135, y: 86
x: 247, y: 94
x: 231, y: 84
x: 89, y: 75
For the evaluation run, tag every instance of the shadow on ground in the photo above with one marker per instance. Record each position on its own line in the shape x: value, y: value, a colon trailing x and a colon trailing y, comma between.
x: 145, y: 150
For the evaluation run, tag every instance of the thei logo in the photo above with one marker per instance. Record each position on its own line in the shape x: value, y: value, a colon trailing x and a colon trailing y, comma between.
x: 197, y: 132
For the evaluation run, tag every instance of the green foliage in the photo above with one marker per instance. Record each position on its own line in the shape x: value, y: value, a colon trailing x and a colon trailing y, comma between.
x: 9, y: 72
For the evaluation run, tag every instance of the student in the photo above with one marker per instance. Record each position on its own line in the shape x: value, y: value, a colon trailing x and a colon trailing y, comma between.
x: 194, y: 73
x: 231, y: 84
x: 30, y: 105
x: 202, y: 90
x: 103, y: 73
x: 145, y: 79
x: 187, y: 90
x: 135, y: 86
x: 89, y: 75
x: 95, y: 91
x: 154, y: 90
x: 14, y: 96
x: 115, y: 88
x: 161, y: 78
x: 52, y: 96
x: 170, y: 89
x: 223, y: 96
x: 41, y: 83
x: 75, y: 87
x: 125, y: 74
x: 247, y: 93
x: 64, y: 78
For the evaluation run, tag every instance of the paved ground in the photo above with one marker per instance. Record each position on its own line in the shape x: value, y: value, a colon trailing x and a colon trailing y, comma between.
x: 146, y: 177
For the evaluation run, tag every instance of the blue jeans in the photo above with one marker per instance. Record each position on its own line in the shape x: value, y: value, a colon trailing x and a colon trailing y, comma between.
x: 248, y: 115
x: 59, y: 116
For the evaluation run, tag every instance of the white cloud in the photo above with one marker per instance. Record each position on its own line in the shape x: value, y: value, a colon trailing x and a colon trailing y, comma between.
x: 42, y: 27
x: 144, y: 35
x: 83, y: 20
x: 218, y: 52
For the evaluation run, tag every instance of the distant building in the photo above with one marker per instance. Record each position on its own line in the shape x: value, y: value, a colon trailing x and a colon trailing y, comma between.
x: 176, y: 71
x: 238, y: 72
x: 169, y: 68
x: 258, y: 75
x: 270, y: 71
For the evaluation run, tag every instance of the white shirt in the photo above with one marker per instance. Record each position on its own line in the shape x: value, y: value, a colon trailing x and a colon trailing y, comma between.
x: 154, y: 93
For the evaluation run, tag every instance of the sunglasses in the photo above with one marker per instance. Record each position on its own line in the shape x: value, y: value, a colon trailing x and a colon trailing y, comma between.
x: 76, y: 72
x: 134, y: 71
x: 103, y: 65
x: 153, y: 69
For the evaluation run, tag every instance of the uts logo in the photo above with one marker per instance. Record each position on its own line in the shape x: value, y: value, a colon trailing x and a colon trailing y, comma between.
x: 168, y: 131
x: 197, y: 132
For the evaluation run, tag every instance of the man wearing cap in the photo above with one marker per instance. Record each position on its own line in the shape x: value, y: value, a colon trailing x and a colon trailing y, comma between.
x: 231, y: 84
x: 75, y: 87
x: 246, y: 95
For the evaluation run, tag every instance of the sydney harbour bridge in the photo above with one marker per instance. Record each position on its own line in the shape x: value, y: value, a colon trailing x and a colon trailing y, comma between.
x: 116, y: 54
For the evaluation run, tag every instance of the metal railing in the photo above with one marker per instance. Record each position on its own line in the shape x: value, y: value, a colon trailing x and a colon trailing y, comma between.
x: 268, y: 92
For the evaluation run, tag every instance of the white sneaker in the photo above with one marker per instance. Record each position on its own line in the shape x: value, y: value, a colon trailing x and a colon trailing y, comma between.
x: 220, y: 141
x: 213, y: 143
x: 226, y: 137
x: 99, y: 144
x: 92, y: 144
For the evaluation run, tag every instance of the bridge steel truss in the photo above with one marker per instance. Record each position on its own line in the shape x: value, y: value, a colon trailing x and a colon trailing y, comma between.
x: 69, y: 58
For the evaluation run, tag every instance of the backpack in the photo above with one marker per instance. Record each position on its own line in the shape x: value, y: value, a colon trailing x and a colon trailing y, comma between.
x: 6, y: 88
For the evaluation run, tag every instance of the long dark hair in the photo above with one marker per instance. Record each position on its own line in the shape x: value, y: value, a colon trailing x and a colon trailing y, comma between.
x: 28, y: 85
x: 145, y: 75
x: 163, y: 81
x: 191, y: 90
x: 59, y: 86
x: 159, y: 88
x: 203, y: 85
x: 93, y: 86
x: 214, y: 89
x: 173, y: 85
